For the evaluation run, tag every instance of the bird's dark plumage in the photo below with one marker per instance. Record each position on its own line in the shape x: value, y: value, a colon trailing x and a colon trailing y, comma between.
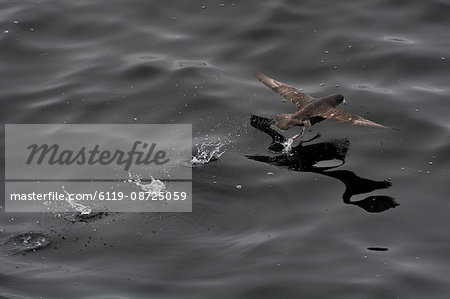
x: 311, y: 110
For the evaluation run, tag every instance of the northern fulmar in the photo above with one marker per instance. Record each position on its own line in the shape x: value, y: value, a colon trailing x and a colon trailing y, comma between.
x: 311, y: 110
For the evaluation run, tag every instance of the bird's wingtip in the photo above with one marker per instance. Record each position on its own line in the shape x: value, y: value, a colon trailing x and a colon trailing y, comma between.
x: 256, y: 74
x: 391, y: 128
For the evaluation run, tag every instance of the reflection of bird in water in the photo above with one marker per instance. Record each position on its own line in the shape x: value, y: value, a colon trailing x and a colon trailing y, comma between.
x: 305, y: 157
x: 311, y: 110
x: 355, y: 185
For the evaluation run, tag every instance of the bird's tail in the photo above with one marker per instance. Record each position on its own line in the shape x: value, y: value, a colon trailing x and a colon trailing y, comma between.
x: 283, y: 121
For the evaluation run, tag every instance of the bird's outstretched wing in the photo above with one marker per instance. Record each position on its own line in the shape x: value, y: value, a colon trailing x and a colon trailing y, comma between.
x: 347, y: 117
x: 299, y: 98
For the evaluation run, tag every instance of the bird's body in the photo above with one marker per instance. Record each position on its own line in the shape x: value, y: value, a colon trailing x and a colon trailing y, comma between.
x: 311, y: 110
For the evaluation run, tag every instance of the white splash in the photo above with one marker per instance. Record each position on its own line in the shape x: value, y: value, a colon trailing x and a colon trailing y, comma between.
x: 82, y: 209
x: 153, y: 186
x: 287, y: 146
x: 208, y: 151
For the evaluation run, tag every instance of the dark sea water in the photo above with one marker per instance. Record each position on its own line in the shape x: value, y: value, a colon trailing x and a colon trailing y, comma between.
x: 263, y: 225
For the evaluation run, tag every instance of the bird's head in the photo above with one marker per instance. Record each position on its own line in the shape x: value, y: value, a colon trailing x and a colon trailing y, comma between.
x: 340, y: 99
x: 335, y: 99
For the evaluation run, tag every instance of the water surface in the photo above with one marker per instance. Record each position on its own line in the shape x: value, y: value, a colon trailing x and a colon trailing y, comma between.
x: 259, y: 229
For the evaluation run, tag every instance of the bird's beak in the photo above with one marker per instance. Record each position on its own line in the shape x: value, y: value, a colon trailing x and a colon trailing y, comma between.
x: 344, y: 102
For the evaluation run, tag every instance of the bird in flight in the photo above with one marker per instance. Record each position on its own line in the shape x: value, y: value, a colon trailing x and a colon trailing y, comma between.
x: 311, y: 110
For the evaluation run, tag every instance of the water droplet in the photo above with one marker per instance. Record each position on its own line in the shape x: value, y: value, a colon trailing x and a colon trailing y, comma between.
x: 31, y: 29
x: 417, y: 110
x: 222, y: 5
x: 326, y: 52
x: 336, y: 85
x: 403, y: 168
x: 6, y: 31
x: 239, y: 187
x: 288, y: 145
x: 322, y: 61
x: 208, y: 151
x: 442, y: 58
x: 428, y: 172
x: 430, y: 163
x: 270, y: 173
x: 322, y: 84
x: 16, y: 22
x: 420, y: 171
x: 349, y: 46
x: 203, y: 6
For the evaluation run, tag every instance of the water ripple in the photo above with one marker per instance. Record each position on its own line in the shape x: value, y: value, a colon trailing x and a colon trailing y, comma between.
x: 25, y: 242
x: 398, y: 40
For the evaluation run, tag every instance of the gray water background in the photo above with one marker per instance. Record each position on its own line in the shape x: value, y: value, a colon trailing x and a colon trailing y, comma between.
x: 286, y: 234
